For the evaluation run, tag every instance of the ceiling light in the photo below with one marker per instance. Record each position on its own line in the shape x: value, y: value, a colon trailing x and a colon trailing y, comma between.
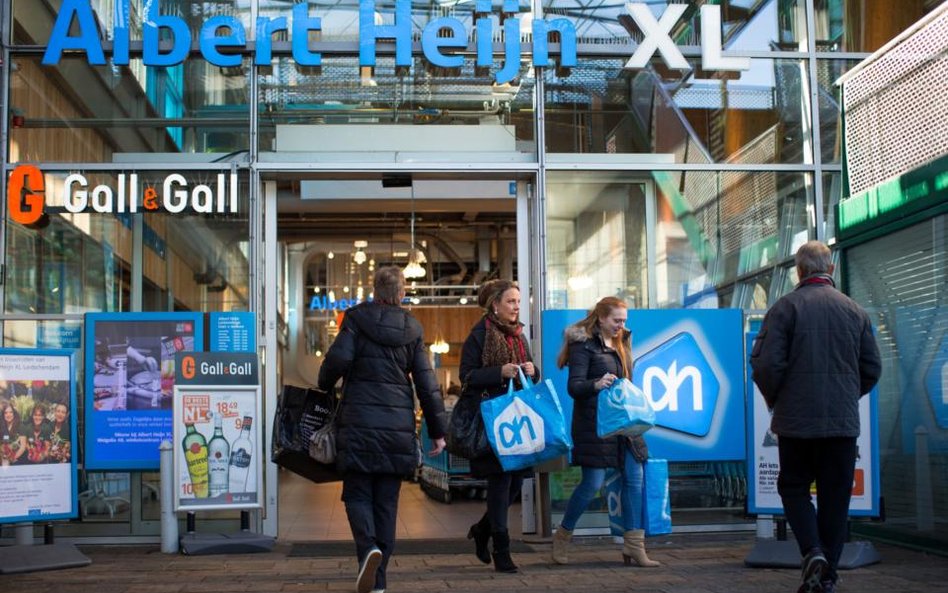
x: 359, y: 257
x: 463, y: 300
x: 439, y: 346
x: 330, y: 255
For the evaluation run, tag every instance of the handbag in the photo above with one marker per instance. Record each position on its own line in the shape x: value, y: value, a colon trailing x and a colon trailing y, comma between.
x: 526, y: 427
x: 623, y: 409
x: 300, y: 412
x: 466, y: 436
x: 322, y: 445
x: 656, y: 502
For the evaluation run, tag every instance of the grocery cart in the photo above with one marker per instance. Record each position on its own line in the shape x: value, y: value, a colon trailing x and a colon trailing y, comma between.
x: 446, y: 476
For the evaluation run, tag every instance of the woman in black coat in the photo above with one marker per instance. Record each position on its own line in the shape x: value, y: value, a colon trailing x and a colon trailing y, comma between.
x: 381, y: 356
x: 492, y: 354
x: 598, y: 350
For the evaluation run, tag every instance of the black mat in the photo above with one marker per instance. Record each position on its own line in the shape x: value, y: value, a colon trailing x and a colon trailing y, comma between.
x: 15, y: 559
x: 402, y: 547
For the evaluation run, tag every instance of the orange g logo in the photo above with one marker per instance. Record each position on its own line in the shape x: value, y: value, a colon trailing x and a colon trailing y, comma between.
x: 188, y: 367
x: 25, y: 197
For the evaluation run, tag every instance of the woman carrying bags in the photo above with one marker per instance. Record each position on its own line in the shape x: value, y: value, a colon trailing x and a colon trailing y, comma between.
x: 493, y: 352
x: 598, y: 350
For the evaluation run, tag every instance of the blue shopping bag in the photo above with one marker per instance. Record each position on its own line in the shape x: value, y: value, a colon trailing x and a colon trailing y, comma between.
x: 623, y: 409
x: 526, y: 427
x: 656, y: 504
x: 612, y: 492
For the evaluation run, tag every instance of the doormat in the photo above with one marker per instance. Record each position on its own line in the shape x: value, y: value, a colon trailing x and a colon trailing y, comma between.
x: 407, y: 547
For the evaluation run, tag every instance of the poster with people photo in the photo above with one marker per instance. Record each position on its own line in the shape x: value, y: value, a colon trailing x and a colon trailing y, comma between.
x: 129, y: 362
x: 37, y: 424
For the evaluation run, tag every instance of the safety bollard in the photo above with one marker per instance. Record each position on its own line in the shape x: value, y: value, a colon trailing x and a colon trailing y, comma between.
x: 169, y: 519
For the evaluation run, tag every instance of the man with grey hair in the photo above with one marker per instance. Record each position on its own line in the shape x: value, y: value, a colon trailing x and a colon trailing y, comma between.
x: 814, y: 357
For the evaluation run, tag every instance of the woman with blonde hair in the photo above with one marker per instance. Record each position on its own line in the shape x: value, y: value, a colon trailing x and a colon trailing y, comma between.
x: 598, y: 350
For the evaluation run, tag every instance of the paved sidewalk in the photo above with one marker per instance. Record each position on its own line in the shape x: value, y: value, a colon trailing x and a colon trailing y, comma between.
x: 692, y: 563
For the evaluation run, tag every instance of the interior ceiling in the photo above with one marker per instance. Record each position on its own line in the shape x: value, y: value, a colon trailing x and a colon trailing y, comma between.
x: 460, y: 234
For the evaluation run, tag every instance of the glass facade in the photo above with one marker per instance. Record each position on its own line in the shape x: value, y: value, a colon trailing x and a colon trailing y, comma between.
x: 670, y: 185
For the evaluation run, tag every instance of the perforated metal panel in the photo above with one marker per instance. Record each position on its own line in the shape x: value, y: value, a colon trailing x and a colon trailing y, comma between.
x: 896, y: 108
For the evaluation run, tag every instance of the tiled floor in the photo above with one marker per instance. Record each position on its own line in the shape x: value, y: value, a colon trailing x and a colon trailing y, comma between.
x: 314, y: 512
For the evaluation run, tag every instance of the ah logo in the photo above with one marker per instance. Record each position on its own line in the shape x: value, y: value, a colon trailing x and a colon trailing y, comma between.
x: 518, y: 430
x: 681, y: 385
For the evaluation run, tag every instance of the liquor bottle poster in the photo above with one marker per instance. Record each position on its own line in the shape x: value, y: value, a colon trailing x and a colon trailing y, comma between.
x: 216, y: 444
x: 37, y: 424
x: 129, y: 378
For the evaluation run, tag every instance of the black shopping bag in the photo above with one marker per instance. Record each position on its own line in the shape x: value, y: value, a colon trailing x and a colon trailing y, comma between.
x: 300, y: 412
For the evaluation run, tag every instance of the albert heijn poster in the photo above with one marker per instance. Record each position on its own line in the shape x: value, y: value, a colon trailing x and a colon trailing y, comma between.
x: 217, y: 445
x: 37, y: 449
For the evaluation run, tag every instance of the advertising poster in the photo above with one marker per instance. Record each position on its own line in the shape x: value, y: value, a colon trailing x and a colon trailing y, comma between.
x: 232, y: 332
x: 217, y: 449
x: 130, y: 375
x: 763, y: 464
x: 37, y: 455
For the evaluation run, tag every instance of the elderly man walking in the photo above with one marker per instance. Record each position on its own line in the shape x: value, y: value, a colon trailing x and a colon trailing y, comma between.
x: 814, y: 357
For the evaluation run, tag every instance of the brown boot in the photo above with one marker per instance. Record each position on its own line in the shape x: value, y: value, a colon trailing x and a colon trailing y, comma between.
x: 560, y: 544
x: 633, y: 548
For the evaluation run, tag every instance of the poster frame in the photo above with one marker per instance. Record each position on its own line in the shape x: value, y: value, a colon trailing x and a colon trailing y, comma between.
x: 73, y: 512
x: 95, y: 457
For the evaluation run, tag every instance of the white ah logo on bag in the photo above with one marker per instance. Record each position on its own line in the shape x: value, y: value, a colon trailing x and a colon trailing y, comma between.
x: 519, y: 430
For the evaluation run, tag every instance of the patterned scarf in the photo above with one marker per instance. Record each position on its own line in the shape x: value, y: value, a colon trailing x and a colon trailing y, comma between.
x: 503, y: 343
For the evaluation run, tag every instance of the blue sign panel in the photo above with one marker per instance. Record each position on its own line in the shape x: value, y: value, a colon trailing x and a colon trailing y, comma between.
x: 130, y: 365
x: 233, y: 332
x: 690, y: 365
x: 59, y: 334
x: 936, y: 384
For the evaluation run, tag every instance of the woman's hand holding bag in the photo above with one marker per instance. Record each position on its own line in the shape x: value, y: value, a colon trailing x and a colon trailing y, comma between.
x: 623, y: 409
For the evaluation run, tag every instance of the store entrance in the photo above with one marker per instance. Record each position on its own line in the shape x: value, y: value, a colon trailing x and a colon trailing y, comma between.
x: 450, y: 233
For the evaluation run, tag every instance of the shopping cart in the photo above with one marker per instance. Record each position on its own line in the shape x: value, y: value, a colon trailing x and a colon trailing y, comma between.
x: 445, y: 475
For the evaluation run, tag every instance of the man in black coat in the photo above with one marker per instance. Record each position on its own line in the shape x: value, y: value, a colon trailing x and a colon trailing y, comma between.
x: 814, y: 357
x: 380, y: 354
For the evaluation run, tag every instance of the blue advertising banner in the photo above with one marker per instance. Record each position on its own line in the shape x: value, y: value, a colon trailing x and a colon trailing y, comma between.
x: 130, y: 366
x: 921, y: 337
x: 37, y: 465
x: 763, y: 461
x: 233, y: 332
x: 689, y: 363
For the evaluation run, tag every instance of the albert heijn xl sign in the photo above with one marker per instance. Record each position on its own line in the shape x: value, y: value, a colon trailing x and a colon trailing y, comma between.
x: 222, y: 38
x: 690, y: 365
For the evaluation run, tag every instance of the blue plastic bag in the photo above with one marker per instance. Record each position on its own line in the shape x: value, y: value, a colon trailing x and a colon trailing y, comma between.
x: 612, y: 492
x: 623, y: 409
x: 526, y: 427
x: 656, y: 504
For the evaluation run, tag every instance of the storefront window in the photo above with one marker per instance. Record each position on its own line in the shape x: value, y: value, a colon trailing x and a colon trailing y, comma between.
x: 717, y: 229
x: 830, y: 111
x: 342, y: 93
x: 759, y: 117
x: 71, y: 263
x: 596, y: 238
x: 75, y: 112
x: 864, y: 25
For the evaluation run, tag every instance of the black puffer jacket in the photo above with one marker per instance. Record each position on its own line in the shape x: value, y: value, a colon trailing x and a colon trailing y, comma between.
x: 589, y: 360
x: 482, y: 382
x: 379, y: 351
x: 813, y: 358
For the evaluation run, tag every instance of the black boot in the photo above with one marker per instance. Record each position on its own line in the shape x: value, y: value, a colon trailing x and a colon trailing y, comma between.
x: 480, y: 533
x: 502, y: 560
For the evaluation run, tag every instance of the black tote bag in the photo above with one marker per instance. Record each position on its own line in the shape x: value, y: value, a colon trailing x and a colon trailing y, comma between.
x: 301, y: 412
x: 466, y: 435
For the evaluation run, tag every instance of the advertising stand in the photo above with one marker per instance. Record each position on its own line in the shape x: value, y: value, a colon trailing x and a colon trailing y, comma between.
x: 37, y: 454
x: 217, y: 446
x: 763, y: 468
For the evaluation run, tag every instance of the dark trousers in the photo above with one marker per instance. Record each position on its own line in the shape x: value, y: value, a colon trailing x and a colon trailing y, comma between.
x: 830, y: 462
x: 371, y: 505
x: 502, y: 490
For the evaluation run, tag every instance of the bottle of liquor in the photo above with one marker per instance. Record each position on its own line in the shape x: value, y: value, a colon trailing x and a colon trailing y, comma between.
x: 240, y: 458
x: 195, y: 454
x: 218, y: 459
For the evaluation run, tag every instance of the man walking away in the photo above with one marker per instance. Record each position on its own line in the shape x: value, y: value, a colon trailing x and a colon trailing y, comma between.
x: 814, y: 357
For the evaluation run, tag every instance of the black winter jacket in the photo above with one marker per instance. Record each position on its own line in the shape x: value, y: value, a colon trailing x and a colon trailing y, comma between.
x: 589, y: 360
x: 814, y: 357
x: 379, y: 352
x: 480, y: 382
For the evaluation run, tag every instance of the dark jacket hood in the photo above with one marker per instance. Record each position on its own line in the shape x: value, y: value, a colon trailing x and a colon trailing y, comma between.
x: 389, y: 325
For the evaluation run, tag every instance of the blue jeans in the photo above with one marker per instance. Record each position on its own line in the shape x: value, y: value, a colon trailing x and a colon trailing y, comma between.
x: 591, y: 484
